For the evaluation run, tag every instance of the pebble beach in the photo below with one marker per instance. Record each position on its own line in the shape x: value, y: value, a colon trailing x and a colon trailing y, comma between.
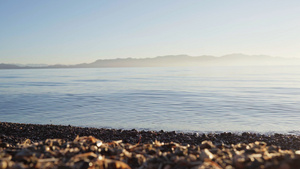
x: 57, y: 146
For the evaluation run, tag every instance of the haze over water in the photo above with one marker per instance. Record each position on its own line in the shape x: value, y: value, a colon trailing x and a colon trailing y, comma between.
x: 260, y: 99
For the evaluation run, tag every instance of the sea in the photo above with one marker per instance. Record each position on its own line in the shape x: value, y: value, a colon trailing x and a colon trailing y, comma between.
x: 262, y: 99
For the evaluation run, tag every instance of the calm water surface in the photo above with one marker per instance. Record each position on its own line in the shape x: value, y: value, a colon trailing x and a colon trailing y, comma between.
x: 260, y: 99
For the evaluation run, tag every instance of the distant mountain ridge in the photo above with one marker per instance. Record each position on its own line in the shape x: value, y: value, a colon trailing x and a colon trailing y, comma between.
x: 172, y: 60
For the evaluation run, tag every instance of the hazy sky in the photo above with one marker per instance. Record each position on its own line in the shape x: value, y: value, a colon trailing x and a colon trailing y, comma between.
x: 76, y: 31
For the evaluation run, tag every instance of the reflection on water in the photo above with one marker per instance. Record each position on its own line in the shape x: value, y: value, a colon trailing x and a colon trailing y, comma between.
x: 185, y: 99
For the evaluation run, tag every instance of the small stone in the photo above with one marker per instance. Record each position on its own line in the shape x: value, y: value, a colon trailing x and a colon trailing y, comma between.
x: 3, y: 164
x: 4, y: 145
x: 98, y: 143
x: 206, y: 154
x: 207, y: 144
x: 239, y: 161
x: 93, y: 148
x: 192, y: 157
x: 46, y: 148
x: 229, y: 167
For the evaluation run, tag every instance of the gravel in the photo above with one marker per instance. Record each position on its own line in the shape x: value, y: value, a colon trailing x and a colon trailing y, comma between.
x: 57, y: 146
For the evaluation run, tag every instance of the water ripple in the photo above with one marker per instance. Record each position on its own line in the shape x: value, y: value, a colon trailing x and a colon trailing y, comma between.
x: 154, y: 99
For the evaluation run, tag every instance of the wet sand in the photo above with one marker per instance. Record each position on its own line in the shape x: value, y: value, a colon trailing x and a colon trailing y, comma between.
x: 55, y: 146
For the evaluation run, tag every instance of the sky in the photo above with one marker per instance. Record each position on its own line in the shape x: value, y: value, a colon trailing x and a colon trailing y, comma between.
x: 76, y: 31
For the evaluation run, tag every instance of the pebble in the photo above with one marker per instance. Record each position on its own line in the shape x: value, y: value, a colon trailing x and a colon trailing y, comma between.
x: 119, y: 155
x: 50, y: 146
x: 206, y: 154
x: 3, y: 164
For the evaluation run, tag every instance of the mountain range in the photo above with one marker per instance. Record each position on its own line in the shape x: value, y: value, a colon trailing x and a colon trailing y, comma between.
x: 172, y: 60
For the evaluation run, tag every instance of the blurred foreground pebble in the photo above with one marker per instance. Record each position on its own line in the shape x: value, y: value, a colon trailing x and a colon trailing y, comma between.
x: 90, y: 152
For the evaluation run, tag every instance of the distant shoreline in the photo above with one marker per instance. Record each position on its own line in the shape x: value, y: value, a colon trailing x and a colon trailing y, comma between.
x: 171, y: 61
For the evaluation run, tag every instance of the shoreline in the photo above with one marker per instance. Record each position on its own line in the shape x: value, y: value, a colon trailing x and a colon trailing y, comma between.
x: 58, y: 146
x: 14, y: 133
